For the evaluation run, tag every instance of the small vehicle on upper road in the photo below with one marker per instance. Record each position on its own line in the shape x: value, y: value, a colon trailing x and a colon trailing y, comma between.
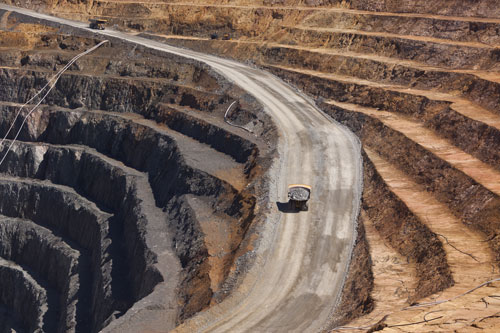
x: 298, y: 194
x: 225, y: 36
x: 97, y: 24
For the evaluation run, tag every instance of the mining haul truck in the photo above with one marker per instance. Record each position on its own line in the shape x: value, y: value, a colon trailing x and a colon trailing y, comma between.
x: 97, y: 24
x: 298, y: 195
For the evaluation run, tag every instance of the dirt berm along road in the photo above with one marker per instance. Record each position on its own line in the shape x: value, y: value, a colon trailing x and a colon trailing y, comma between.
x: 302, y: 258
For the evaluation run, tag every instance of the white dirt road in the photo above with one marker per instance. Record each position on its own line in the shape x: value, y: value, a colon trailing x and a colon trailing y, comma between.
x: 302, y: 259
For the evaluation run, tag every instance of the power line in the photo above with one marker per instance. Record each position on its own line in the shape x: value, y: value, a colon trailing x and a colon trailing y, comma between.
x: 52, y: 82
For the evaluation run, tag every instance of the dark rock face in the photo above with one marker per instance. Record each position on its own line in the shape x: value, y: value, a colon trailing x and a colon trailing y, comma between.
x: 97, y: 199
x: 108, y: 251
x: 26, y: 244
x: 7, y: 321
x: 115, y: 189
x: 24, y: 299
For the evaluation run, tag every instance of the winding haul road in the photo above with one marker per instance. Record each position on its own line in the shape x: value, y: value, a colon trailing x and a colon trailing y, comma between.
x: 302, y: 259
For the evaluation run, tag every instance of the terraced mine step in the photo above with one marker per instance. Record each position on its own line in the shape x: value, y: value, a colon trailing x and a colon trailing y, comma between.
x: 467, y: 253
x: 202, y: 156
x: 81, y: 224
x: 480, y: 87
x: 63, y: 267
x: 334, y: 60
x: 104, y: 91
x: 159, y: 187
x: 144, y: 15
x: 388, y: 35
x: 486, y: 8
x: 466, y: 89
x: 459, y: 28
x: 472, y: 128
x: 212, y: 130
x: 418, y: 133
x: 59, y: 50
x: 33, y: 304
x: 443, y: 170
x: 461, y: 105
x: 105, y: 182
x: 402, y: 230
x: 395, y: 278
x: 79, y: 133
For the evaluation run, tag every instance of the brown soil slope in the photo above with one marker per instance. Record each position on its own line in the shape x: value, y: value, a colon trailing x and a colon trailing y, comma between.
x: 419, y: 83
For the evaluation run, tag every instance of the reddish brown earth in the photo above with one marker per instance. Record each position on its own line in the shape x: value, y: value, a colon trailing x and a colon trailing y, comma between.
x: 419, y: 83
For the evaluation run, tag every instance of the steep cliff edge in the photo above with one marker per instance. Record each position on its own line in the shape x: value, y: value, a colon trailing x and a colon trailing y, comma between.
x: 417, y: 81
x: 130, y: 176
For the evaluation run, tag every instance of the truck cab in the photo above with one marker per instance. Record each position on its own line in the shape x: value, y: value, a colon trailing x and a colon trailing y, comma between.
x: 298, y: 195
x: 97, y: 24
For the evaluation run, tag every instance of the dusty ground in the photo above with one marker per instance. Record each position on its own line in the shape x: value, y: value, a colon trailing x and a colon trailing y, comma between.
x: 311, y: 265
x: 419, y: 83
x: 470, y: 261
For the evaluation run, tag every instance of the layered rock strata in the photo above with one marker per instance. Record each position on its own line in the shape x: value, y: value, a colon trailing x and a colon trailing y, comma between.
x: 119, y: 186
x: 418, y: 83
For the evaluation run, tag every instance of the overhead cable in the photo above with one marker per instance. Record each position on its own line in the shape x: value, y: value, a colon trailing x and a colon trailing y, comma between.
x: 52, y: 82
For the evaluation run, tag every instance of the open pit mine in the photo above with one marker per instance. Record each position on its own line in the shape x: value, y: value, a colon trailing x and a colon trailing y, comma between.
x: 250, y: 166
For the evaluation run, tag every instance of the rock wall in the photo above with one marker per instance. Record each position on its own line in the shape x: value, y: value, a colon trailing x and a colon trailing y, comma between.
x: 111, y: 169
x: 24, y: 297
x: 418, y: 82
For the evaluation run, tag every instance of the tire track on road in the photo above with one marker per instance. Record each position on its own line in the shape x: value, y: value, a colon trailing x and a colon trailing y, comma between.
x: 298, y: 267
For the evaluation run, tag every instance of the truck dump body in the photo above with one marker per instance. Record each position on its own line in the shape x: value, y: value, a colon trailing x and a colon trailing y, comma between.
x: 298, y: 196
x: 298, y: 193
